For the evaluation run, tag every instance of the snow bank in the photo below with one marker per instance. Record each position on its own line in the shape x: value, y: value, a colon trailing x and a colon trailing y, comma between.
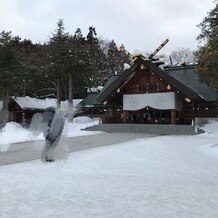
x: 79, y: 124
x: 82, y: 120
x: 211, y: 127
x: 211, y: 131
x: 15, y: 133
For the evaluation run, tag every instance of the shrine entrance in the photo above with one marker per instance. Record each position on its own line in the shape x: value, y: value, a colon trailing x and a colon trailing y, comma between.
x: 151, y: 108
x: 150, y: 116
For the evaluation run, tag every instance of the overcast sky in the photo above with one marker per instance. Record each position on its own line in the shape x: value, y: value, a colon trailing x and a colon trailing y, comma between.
x: 138, y: 24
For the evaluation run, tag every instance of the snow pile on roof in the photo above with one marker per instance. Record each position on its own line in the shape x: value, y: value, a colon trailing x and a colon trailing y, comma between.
x: 34, y: 103
x: 94, y: 89
x: 42, y: 104
x: 126, y: 66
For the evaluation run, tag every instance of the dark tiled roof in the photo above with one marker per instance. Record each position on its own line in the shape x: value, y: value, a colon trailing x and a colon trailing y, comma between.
x: 176, y: 84
x: 186, y: 75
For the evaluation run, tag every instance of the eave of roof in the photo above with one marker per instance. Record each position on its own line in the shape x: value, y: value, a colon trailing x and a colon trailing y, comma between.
x: 89, y: 101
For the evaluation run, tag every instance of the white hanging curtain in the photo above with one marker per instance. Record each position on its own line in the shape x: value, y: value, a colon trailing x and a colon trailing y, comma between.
x: 160, y: 101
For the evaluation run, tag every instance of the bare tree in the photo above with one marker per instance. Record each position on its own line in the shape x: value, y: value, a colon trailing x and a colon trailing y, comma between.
x: 182, y: 55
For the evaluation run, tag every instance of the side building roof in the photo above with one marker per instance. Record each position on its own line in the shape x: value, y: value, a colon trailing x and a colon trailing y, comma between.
x: 89, y: 101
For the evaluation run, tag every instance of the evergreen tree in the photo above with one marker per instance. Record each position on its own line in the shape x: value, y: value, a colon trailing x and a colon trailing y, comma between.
x: 91, y: 36
x: 117, y: 56
x: 95, y: 58
x: 56, y: 53
x: 78, y: 64
x: 8, y: 65
x: 207, y: 55
x: 30, y: 69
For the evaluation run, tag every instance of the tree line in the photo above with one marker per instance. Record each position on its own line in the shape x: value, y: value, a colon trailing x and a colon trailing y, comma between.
x: 59, y: 68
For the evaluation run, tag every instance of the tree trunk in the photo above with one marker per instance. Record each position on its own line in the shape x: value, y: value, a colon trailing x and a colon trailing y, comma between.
x: 5, y: 100
x: 58, y: 94
x: 4, y: 112
x: 70, y: 99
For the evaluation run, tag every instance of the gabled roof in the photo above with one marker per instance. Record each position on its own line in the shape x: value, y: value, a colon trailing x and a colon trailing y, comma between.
x: 114, y: 83
x: 176, y: 84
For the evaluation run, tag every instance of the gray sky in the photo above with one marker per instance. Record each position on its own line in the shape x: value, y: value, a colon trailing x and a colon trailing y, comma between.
x: 138, y: 24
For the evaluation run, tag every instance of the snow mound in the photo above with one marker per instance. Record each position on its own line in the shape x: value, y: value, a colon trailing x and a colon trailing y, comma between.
x: 82, y: 120
x: 13, y: 133
x: 211, y: 127
x: 78, y: 128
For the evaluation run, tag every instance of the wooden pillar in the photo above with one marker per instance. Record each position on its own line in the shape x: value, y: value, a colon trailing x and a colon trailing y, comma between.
x: 125, y: 116
x: 23, y: 118
x: 173, y: 116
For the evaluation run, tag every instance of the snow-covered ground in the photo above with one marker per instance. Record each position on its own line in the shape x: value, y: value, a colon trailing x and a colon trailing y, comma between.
x: 14, y: 132
x: 165, y: 176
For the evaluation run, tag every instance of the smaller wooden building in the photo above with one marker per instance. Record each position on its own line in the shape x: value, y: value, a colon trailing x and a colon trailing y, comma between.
x: 22, y: 109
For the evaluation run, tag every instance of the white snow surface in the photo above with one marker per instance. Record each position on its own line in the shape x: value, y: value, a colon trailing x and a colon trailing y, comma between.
x: 15, y: 133
x: 166, y: 176
x: 82, y: 120
x: 211, y: 127
x: 80, y: 123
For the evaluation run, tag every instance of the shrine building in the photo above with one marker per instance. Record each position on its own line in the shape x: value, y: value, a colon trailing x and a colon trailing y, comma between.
x: 146, y: 93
